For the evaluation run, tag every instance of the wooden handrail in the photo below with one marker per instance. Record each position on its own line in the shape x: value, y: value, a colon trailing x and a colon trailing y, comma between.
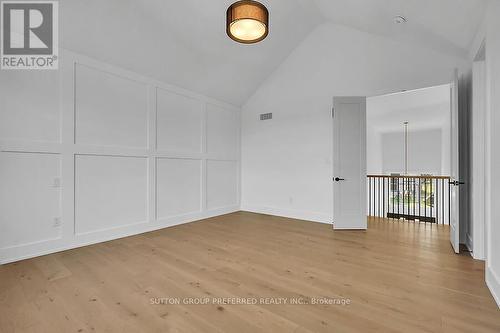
x: 407, y: 176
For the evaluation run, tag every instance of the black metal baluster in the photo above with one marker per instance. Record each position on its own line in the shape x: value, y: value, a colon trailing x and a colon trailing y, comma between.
x: 407, y: 189
x: 369, y: 196
x: 405, y: 192
x: 388, y: 196
x: 404, y: 184
x: 399, y: 191
x: 378, y: 197
x: 383, y: 196
x: 413, y: 196
x: 437, y: 202
x: 431, y: 199
x: 377, y: 205
x: 442, y: 201
x: 372, y: 207
x: 425, y: 200
x: 392, y: 189
x: 378, y: 192
x: 419, y: 196
x: 373, y: 194
x: 374, y: 199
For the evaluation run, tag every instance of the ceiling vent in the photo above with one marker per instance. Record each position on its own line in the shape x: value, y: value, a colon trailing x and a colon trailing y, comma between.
x: 266, y: 116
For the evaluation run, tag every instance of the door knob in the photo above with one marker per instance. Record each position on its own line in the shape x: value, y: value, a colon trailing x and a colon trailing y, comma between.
x: 337, y: 179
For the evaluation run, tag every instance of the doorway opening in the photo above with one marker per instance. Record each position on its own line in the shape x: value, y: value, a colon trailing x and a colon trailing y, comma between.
x: 409, y: 155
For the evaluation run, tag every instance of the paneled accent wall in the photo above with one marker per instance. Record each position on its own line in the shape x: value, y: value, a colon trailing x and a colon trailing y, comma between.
x: 93, y: 152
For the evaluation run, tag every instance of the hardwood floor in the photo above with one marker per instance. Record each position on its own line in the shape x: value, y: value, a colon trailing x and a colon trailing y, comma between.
x: 397, y: 277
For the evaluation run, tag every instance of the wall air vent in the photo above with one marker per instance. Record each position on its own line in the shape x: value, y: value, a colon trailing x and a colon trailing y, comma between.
x: 266, y: 116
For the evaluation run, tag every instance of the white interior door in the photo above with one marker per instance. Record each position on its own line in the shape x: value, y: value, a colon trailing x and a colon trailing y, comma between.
x: 454, y: 199
x: 349, y: 163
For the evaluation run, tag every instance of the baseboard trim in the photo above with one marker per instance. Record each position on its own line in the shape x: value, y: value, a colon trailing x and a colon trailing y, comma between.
x: 493, y: 283
x: 355, y: 228
x: 289, y: 213
x: 48, y: 247
x: 468, y: 243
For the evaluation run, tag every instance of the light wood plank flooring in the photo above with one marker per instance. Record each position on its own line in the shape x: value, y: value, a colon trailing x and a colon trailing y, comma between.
x: 398, y: 277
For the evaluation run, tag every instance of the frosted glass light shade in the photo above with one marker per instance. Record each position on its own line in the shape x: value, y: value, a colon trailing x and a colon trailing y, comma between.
x: 247, y: 21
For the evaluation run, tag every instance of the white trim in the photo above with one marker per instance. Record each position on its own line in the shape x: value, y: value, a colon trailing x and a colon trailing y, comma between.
x: 68, y: 150
x: 289, y: 213
x: 478, y: 161
x: 478, y: 40
x: 469, y: 244
x: 493, y: 283
x: 48, y: 247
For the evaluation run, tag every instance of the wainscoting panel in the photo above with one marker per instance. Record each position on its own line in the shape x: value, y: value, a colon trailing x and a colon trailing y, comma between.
x: 93, y: 152
x: 222, y: 183
x: 29, y: 106
x: 110, y: 110
x: 30, y: 200
x: 222, y: 131
x: 110, y: 192
x: 179, y: 186
x: 179, y: 122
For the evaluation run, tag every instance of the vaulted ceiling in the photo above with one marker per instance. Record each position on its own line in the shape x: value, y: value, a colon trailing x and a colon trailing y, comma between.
x: 448, y: 26
x: 184, y: 42
x: 423, y: 109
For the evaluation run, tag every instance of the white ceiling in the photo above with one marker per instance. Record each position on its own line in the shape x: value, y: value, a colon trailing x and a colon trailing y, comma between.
x: 448, y: 26
x: 184, y: 42
x: 423, y: 109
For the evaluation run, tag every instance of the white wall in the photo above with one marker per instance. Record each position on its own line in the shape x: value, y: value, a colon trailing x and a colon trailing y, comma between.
x: 490, y: 33
x: 424, y: 147
x: 93, y: 152
x: 287, y: 161
x: 373, y: 148
x: 476, y: 236
x: 427, y: 112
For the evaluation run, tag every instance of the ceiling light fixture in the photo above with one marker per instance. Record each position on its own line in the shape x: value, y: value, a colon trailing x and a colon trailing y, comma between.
x: 247, y: 21
x: 400, y: 19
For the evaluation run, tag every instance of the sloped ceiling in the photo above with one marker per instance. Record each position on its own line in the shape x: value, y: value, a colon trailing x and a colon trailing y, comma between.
x: 423, y: 109
x: 448, y: 26
x: 183, y: 42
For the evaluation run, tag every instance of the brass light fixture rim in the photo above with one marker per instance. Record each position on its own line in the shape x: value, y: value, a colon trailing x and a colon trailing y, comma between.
x: 230, y: 20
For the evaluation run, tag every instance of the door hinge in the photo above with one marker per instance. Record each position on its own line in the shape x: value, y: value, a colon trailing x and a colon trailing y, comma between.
x: 333, y: 112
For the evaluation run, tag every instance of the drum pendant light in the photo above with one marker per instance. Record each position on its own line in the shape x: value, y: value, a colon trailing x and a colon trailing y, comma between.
x: 247, y: 21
